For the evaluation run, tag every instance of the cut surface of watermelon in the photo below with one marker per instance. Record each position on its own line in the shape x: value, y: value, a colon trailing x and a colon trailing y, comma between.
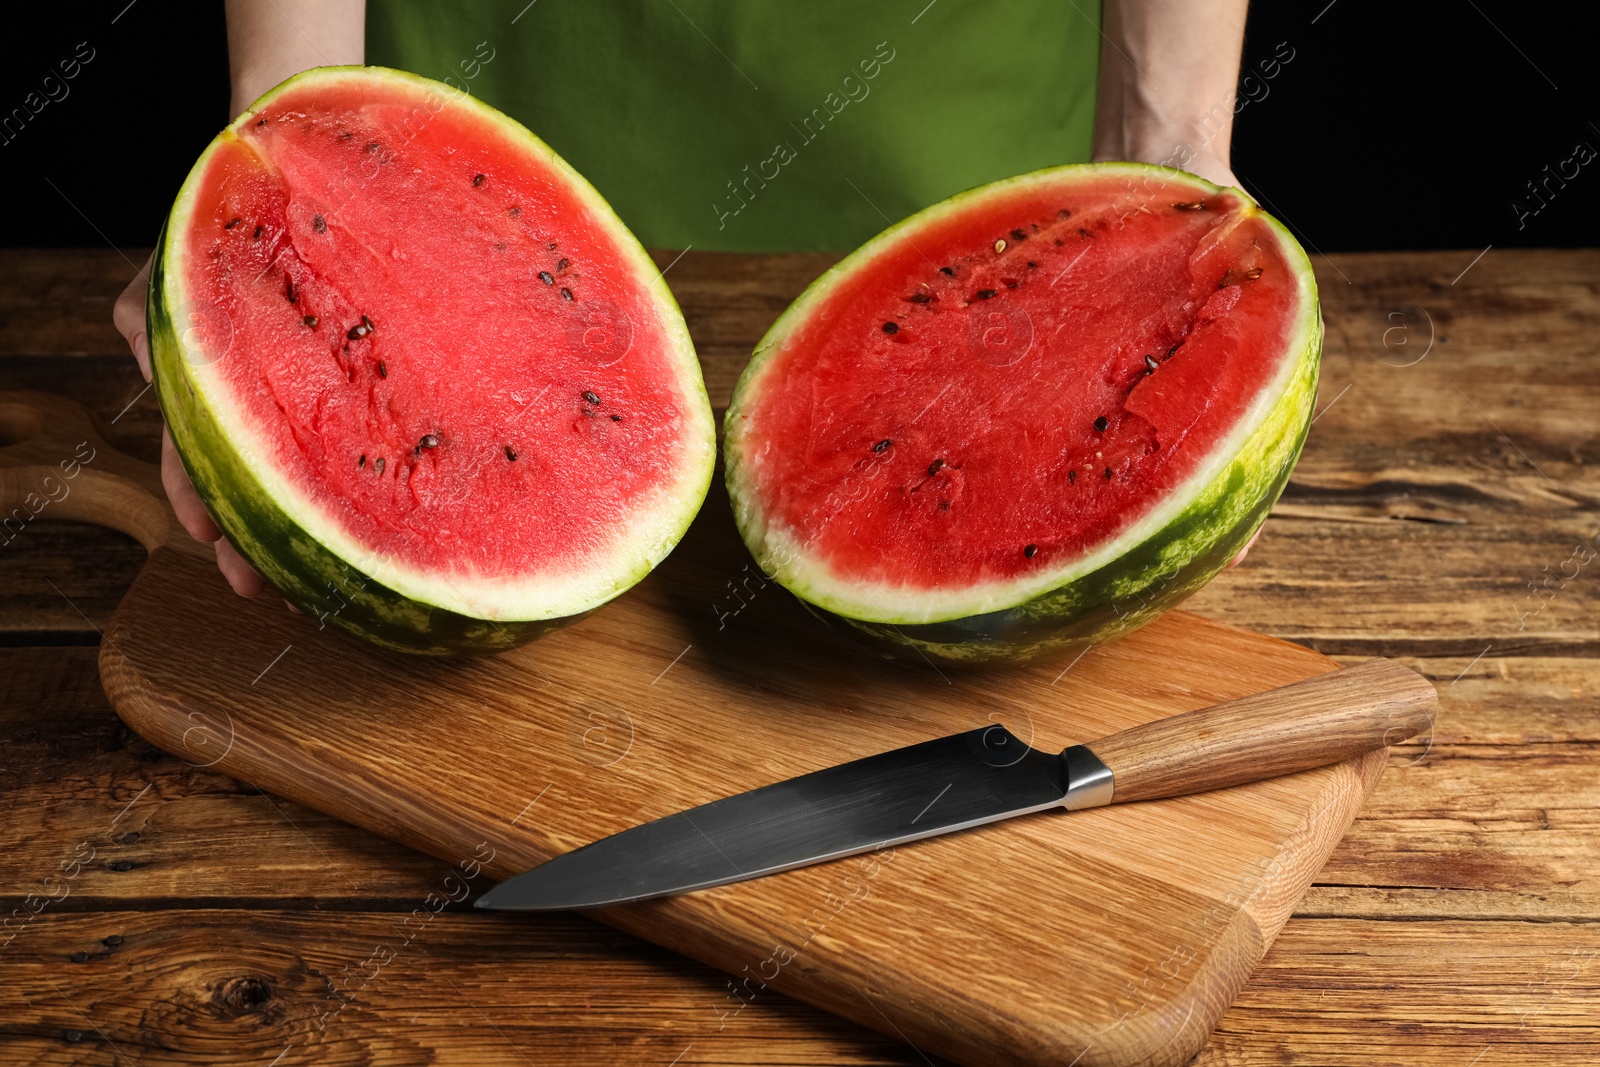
x: 408, y: 353
x: 1011, y: 391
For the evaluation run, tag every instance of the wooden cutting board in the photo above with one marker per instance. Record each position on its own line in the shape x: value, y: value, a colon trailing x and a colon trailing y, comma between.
x: 1113, y: 936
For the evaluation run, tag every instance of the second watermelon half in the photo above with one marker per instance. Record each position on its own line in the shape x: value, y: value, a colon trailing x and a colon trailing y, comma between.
x: 1030, y: 418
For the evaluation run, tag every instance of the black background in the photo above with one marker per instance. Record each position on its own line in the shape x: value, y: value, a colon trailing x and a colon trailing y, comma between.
x: 1394, y: 125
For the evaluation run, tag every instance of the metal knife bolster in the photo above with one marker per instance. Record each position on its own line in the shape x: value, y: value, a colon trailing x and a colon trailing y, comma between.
x: 1089, y: 781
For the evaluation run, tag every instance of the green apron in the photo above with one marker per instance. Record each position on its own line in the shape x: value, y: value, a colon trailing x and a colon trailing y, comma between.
x: 754, y: 127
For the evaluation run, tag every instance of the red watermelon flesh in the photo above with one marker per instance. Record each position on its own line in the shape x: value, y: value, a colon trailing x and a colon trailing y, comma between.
x: 1011, y: 387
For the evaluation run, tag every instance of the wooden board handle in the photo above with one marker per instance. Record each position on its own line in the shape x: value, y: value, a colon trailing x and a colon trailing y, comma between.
x: 1319, y: 721
x: 55, y: 463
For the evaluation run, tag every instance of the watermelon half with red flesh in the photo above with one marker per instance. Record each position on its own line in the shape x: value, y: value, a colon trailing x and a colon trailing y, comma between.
x: 1032, y: 417
x: 423, y: 377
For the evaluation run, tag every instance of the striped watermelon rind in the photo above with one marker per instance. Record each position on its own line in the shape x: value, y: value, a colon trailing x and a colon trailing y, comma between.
x: 360, y: 591
x: 1129, y: 581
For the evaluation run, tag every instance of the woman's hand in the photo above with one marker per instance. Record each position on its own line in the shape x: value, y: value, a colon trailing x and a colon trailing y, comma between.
x: 1168, y: 84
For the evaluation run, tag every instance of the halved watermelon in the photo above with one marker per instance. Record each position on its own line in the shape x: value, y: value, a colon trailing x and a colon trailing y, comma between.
x: 1031, y: 417
x: 424, y: 378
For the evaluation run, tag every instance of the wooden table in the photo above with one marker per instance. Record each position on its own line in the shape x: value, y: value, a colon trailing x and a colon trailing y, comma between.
x: 1446, y: 512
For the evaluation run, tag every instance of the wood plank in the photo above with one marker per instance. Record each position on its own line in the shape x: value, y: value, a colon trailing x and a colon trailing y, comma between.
x: 1352, y: 993
x: 365, y: 988
x: 62, y: 580
x: 401, y: 987
x: 57, y: 301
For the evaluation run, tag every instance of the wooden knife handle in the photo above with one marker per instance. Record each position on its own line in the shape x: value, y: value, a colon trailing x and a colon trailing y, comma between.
x: 1321, y: 720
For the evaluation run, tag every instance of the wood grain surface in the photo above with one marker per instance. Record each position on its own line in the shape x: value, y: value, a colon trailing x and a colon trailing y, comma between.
x: 1454, y: 923
x: 647, y: 708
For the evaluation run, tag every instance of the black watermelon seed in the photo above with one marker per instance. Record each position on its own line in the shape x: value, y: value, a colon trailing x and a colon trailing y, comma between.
x: 551, y: 246
x: 566, y: 294
x: 514, y: 212
x: 347, y: 135
x: 288, y: 289
x: 1150, y: 362
x: 890, y: 327
x: 263, y: 122
x: 259, y: 231
x: 511, y: 453
x: 1018, y: 235
x: 919, y: 298
x: 985, y: 294
x: 1063, y: 214
x: 1173, y: 349
x: 616, y: 418
x: 591, y: 396
x: 546, y: 277
x: 361, y: 464
x: 383, y: 369
x: 428, y: 441
x: 1011, y: 283
x: 934, y: 467
x: 477, y: 180
x: 1193, y: 205
x: 563, y: 264
x: 948, y: 272
x: 78, y: 957
x: 944, y: 505
x: 358, y: 331
x: 231, y: 223
x: 378, y: 465
x: 310, y: 320
x: 368, y: 324
x: 1108, y: 474
x: 1084, y: 233
x: 1032, y: 264
x: 1101, y: 423
x: 881, y: 445
x: 122, y: 865
x: 1072, y: 476
x: 1031, y: 551
x: 319, y: 224
x: 111, y: 942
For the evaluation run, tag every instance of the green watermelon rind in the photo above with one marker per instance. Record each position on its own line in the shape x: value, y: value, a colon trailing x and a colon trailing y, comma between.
x: 1123, y: 584
x: 342, y: 585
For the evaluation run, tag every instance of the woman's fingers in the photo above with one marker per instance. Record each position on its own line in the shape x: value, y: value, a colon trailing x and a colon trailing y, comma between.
x: 186, y: 503
x: 1245, y: 551
x: 127, y: 314
x: 235, y: 568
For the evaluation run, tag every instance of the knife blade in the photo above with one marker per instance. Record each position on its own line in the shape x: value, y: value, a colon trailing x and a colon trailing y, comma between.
x: 970, y: 779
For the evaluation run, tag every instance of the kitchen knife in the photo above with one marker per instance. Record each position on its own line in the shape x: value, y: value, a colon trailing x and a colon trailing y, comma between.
x: 977, y: 777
